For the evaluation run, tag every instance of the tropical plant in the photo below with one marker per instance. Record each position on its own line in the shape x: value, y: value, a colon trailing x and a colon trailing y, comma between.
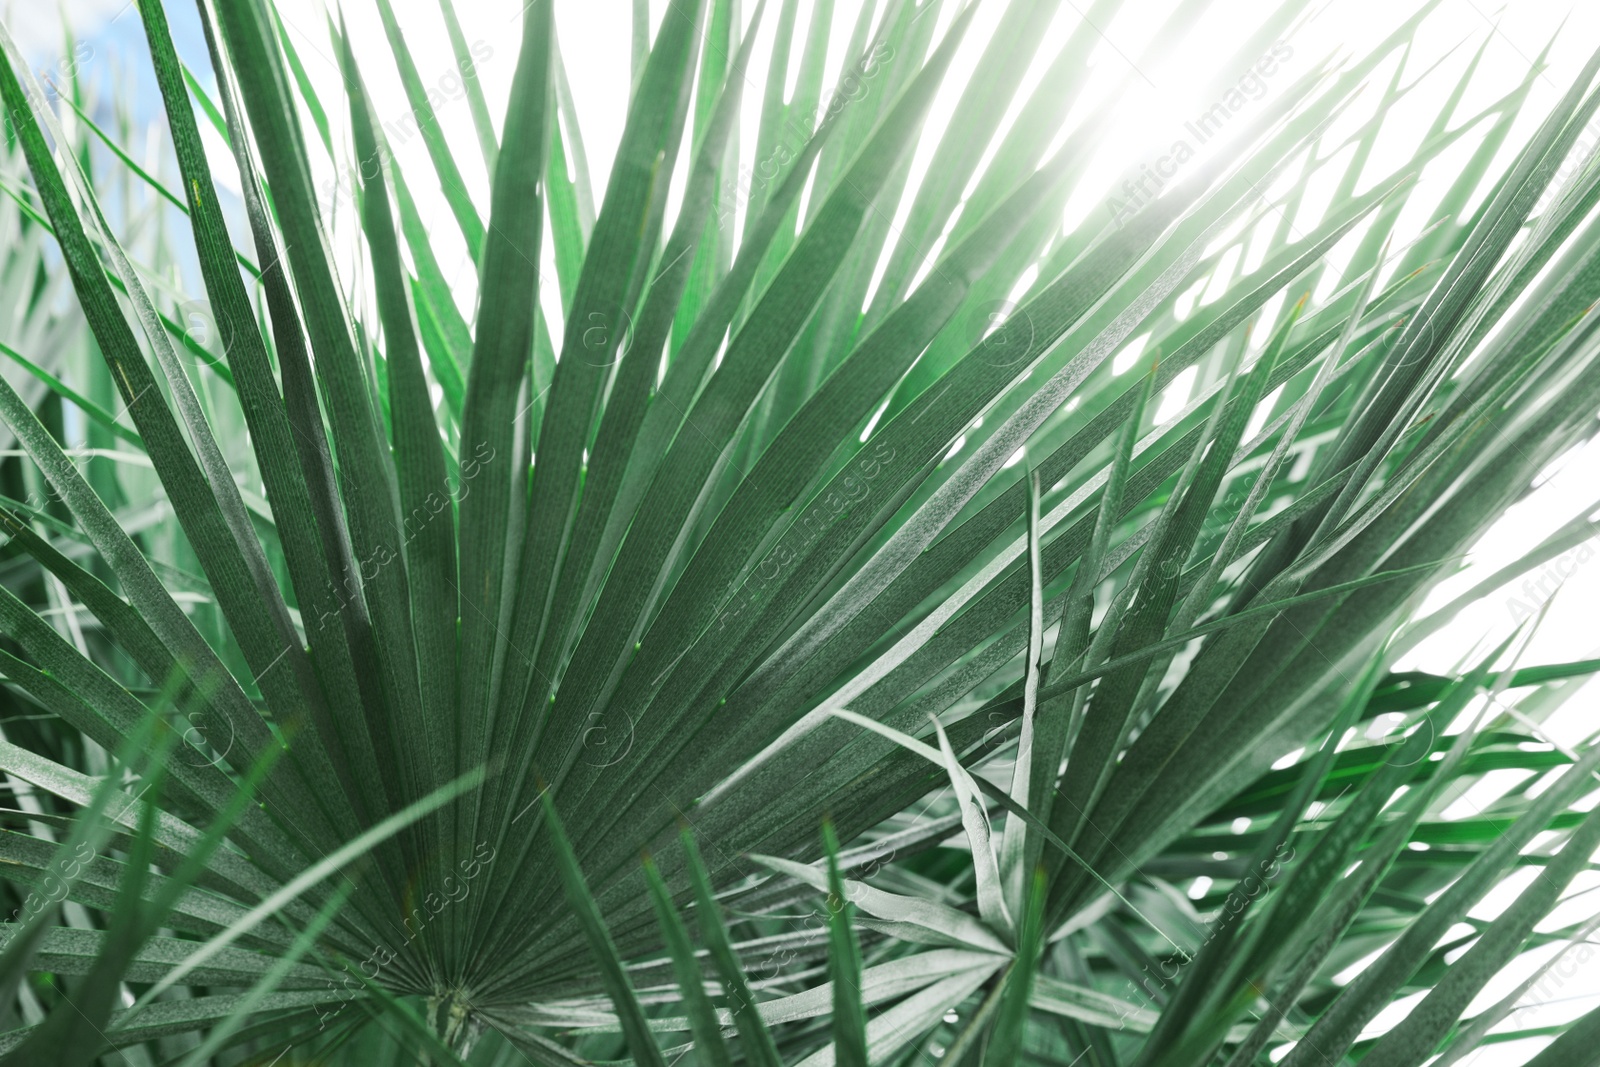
x: 827, y: 548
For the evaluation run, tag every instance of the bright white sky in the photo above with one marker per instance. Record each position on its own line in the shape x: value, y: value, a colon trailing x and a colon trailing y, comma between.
x: 1154, y: 100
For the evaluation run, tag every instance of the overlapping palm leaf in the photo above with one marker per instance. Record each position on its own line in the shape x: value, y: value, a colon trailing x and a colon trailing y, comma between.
x: 811, y: 521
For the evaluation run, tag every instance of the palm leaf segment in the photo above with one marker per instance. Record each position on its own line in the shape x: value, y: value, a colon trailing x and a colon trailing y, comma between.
x: 743, y: 539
